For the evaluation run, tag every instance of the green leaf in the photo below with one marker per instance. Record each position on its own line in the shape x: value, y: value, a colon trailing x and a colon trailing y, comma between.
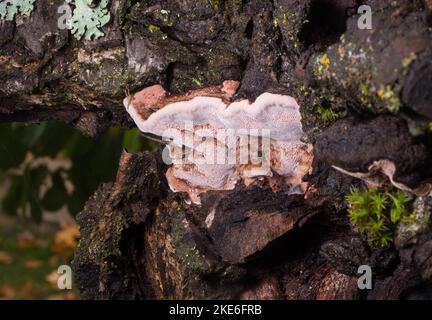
x: 132, y: 141
x: 93, y: 161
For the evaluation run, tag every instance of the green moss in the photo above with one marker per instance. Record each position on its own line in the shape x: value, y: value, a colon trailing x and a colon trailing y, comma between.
x: 377, y: 214
x: 153, y: 28
x: 322, y: 105
x: 216, y: 4
x: 327, y: 114
x: 364, y: 89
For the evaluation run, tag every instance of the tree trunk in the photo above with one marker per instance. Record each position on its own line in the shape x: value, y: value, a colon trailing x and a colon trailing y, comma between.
x: 141, y: 241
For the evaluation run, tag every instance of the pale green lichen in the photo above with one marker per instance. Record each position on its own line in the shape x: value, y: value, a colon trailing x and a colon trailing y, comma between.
x: 10, y: 8
x: 391, y: 99
x: 87, y: 21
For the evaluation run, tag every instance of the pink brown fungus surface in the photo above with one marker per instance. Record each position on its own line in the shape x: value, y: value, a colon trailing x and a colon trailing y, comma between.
x: 213, y: 143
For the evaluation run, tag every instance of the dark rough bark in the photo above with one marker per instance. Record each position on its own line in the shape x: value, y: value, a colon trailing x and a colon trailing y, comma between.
x: 355, y: 144
x: 140, y: 241
x: 269, y: 45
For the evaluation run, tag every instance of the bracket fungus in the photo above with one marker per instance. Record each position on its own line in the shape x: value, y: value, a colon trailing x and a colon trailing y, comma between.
x: 380, y: 151
x: 214, y: 142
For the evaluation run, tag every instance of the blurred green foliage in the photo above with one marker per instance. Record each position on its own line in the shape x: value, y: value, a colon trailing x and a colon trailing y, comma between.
x: 29, y: 283
x: 91, y: 162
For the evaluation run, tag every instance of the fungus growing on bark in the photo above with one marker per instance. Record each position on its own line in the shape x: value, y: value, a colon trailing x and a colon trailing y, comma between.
x: 214, y: 143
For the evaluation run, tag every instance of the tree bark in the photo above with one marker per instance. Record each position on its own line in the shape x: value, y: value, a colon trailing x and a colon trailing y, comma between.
x: 141, y: 241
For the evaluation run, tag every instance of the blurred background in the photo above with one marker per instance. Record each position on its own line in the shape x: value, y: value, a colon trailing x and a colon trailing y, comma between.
x: 47, y: 172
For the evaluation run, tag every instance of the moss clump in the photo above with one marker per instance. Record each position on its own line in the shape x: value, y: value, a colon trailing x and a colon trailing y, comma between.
x: 153, y: 28
x: 327, y: 114
x: 377, y: 214
x: 324, y: 105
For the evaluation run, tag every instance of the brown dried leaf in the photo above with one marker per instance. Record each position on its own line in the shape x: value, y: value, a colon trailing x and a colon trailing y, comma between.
x: 7, y: 291
x: 33, y: 264
x: 5, y: 258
